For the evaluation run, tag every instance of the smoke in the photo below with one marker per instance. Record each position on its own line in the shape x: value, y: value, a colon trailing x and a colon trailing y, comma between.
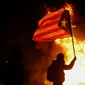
x: 37, y: 61
x: 36, y: 65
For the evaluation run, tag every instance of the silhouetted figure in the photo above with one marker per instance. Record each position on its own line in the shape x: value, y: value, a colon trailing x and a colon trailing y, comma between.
x: 14, y: 72
x: 55, y: 72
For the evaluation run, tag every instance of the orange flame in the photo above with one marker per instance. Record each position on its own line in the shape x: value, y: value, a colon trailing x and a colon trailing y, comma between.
x: 69, y: 7
x: 48, y: 12
x: 76, y: 74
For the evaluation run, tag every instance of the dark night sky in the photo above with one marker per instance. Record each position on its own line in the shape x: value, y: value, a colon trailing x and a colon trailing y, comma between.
x: 19, y: 21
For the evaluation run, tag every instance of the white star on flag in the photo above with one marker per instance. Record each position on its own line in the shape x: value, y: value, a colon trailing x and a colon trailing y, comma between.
x: 64, y: 23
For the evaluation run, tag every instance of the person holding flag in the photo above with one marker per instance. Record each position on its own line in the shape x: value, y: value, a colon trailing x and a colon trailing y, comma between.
x: 55, y: 71
x: 53, y: 26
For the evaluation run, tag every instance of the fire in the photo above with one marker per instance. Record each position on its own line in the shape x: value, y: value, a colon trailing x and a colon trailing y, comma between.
x: 77, y: 74
x: 69, y: 7
x: 48, y: 12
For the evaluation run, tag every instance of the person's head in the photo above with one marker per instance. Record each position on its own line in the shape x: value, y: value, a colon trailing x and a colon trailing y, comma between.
x: 60, y: 57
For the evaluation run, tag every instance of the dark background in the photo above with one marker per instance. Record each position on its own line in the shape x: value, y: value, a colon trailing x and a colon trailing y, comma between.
x: 19, y: 21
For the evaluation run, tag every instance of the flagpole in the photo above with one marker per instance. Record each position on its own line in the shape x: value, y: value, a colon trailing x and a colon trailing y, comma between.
x: 72, y: 36
x: 71, y: 33
x: 73, y: 42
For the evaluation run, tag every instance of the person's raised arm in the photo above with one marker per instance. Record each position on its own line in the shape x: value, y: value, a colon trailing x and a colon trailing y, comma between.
x: 68, y: 67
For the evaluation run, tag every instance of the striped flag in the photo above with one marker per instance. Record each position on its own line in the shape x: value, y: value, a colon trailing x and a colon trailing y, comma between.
x: 53, y: 16
x: 52, y: 26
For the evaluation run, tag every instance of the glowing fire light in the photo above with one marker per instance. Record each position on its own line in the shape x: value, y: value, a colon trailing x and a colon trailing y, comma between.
x: 69, y: 7
x: 77, y: 74
x: 48, y: 12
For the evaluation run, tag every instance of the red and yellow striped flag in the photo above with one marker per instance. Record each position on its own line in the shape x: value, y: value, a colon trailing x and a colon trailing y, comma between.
x: 51, y: 27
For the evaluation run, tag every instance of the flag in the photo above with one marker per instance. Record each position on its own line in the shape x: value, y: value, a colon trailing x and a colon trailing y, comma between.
x: 65, y: 22
x: 53, y: 26
x: 53, y: 16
